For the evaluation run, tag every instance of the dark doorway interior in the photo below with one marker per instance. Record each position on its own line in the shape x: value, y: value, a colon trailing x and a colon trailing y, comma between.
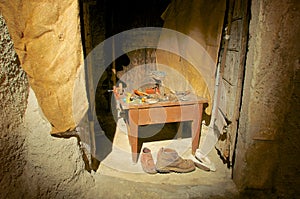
x: 105, y: 19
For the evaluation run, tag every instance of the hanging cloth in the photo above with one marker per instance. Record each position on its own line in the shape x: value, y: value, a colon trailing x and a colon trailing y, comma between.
x: 189, y: 55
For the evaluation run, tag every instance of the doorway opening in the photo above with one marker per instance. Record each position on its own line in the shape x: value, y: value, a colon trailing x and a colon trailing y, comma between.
x: 102, y: 20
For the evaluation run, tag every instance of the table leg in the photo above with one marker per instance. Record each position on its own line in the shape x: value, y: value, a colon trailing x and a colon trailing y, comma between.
x: 133, y: 133
x: 196, y: 127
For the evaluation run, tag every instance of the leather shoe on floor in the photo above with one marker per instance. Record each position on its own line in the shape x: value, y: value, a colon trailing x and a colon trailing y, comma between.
x: 147, y: 161
x: 168, y: 160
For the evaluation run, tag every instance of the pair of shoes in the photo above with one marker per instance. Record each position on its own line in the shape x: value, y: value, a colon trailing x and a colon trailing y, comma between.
x: 168, y: 160
x: 147, y: 161
x: 205, y: 161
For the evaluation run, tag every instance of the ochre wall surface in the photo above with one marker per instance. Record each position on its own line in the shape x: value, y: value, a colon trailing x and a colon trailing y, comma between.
x: 47, y: 40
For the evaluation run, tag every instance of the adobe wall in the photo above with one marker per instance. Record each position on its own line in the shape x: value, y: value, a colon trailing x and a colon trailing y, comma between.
x: 267, y: 128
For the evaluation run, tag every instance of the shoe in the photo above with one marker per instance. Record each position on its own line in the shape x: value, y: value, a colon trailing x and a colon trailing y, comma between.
x: 205, y: 161
x: 147, y: 161
x: 168, y: 160
x: 199, y: 164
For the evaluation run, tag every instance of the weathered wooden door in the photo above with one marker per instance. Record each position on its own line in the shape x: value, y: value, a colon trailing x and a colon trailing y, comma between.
x: 232, y: 66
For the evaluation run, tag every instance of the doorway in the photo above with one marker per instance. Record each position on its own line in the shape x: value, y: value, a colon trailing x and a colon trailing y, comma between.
x: 104, y: 19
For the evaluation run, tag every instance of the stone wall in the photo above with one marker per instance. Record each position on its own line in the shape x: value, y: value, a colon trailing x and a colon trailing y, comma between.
x: 271, y: 68
x: 33, y: 164
x: 13, y: 97
x: 54, y: 166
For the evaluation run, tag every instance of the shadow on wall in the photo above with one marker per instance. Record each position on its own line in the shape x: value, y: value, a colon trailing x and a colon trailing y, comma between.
x: 106, y: 108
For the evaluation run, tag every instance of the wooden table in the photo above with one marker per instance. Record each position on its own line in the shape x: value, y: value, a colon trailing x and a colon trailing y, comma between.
x: 162, y: 112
